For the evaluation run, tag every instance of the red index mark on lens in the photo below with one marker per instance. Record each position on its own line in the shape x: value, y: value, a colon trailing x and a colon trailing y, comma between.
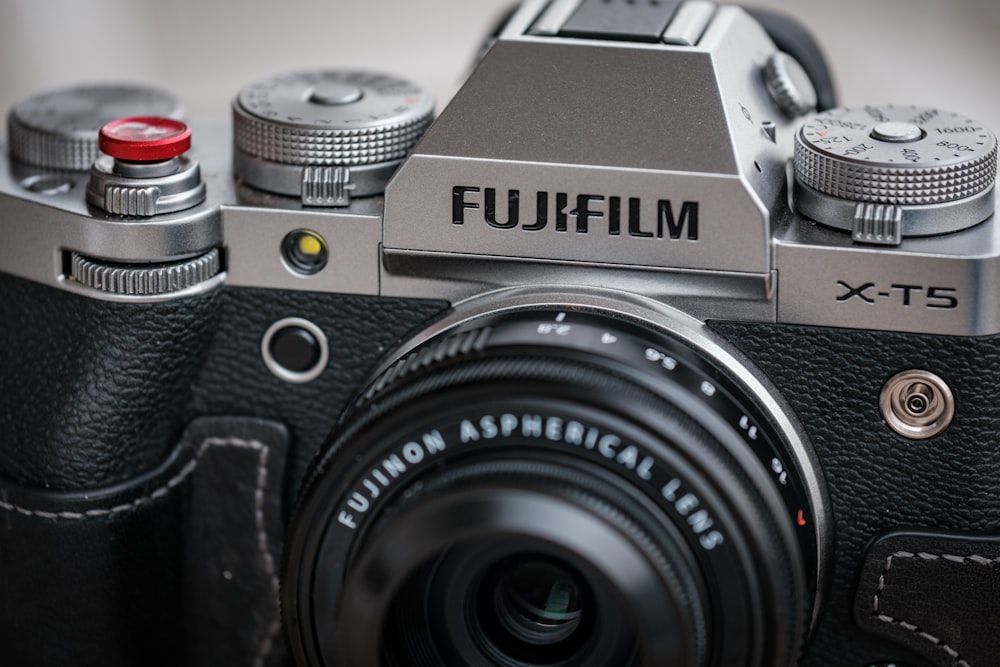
x: 801, y: 519
x: 144, y: 138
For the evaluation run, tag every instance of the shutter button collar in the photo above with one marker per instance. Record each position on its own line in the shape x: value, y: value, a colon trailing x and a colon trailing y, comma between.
x: 143, y: 170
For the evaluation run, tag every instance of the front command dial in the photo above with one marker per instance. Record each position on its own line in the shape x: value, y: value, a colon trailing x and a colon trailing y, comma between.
x: 921, y: 170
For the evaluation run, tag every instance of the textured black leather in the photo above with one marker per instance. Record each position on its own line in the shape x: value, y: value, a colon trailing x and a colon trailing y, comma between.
x: 168, y: 568
x: 878, y: 481
x: 939, y: 595
x: 93, y: 393
x: 96, y: 393
x: 93, y: 578
x: 178, y: 567
x: 233, y: 535
x: 235, y: 381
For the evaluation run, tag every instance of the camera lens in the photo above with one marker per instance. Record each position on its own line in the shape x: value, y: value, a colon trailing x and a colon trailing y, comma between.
x: 553, y: 488
x: 513, y: 602
x: 537, y: 603
x: 532, y: 606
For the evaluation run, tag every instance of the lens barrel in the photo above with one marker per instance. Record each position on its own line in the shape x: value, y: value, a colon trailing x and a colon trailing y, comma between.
x: 553, y: 488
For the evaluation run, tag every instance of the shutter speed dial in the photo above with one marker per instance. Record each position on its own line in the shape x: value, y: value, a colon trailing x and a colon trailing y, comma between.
x: 894, y: 171
x: 328, y: 135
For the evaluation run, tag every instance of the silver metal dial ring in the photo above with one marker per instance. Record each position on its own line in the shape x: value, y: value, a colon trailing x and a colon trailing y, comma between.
x: 330, y: 118
x: 312, y: 146
x: 310, y: 182
x: 58, y: 129
x: 896, y: 185
x: 889, y: 172
x: 789, y: 85
x: 118, y: 194
x: 925, y: 220
x: 143, y: 280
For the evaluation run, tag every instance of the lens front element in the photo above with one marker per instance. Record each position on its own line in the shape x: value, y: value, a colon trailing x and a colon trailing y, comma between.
x: 536, y: 602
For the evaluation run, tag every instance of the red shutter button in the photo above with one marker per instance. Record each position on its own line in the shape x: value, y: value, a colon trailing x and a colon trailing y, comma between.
x: 144, y: 138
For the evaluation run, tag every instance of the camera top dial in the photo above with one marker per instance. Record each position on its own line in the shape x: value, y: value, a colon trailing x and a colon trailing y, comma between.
x: 893, y: 171
x: 58, y: 129
x: 326, y: 135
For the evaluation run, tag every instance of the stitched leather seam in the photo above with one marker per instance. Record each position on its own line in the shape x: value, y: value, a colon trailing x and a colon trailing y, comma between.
x: 263, y: 543
x: 957, y: 660
x: 162, y: 491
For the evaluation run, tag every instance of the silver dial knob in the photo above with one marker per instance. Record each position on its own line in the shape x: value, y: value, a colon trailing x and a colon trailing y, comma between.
x: 893, y: 171
x: 144, y: 280
x: 58, y: 129
x: 326, y: 135
x: 789, y: 85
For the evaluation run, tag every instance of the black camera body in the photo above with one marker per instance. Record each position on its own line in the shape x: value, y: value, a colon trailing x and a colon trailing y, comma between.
x: 643, y: 356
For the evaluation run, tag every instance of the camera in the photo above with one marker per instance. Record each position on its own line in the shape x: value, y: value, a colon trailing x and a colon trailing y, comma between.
x: 642, y: 352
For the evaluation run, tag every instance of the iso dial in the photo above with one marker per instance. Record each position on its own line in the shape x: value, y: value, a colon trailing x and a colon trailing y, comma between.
x: 921, y: 170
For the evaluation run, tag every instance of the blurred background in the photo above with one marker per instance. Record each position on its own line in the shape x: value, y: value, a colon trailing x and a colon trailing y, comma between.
x: 934, y: 52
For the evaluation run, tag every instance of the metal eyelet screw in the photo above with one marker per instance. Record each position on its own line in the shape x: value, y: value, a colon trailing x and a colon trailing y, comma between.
x: 917, y: 404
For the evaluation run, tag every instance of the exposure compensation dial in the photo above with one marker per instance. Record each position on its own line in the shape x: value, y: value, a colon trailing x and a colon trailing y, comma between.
x: 58, y: 129
x: 326, y: 136
x: 889, y: 172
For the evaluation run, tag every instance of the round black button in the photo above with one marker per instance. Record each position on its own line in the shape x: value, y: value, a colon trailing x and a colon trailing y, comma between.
x: 295, y: 349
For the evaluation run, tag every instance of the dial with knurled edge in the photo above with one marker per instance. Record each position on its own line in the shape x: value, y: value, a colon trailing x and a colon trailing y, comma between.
x: 59, y: 129
x: 144, y: 280
x: 328, y: 118
x: 789, y: 85
x: 935, y: 167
